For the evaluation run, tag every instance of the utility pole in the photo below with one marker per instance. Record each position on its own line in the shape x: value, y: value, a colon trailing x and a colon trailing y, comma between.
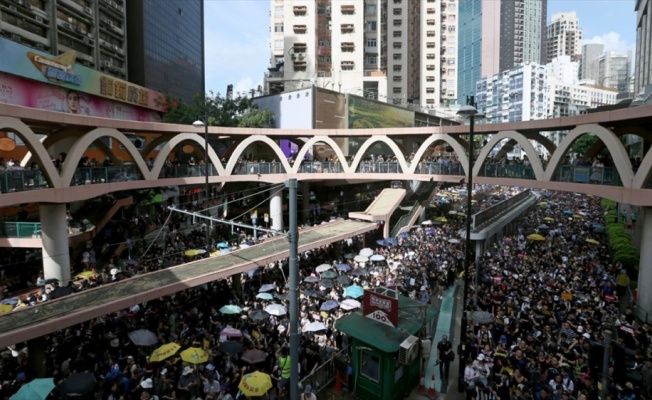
x: 294, y: 291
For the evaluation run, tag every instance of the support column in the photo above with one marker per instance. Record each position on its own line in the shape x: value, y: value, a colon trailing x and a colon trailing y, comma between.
x: 305, y: 201
x: 36, y: 361
x: 644, y: 270
x: 54, y: 233
x: 276, y: 211
x: 479, y: 249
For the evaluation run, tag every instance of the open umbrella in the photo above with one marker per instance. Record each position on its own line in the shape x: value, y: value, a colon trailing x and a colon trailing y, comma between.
x: 222, y: 245
x: 61, y: 292
x: 482, y: 317
x: 143, y: 337
x: 231, y: 347
x: 361, y: 259
x: 86, y: 275
x: 427, y: 222
x: 569, y: 212
x: 328, y: 275
x: 191, y: 253
x: 354, y: 291
x: 5, y: 308
x: 11, y: 300
x: 314, y: 327
x: 255, y: 384
x: 194, y: 355
x: 349, y: 256
x: 254, y: 356
x: 453, y: 240
x: 264, y: 296
x: 323, y: 268
x: 441, y: 219
x: 230, y: 309
x: 549, y: 219
x: 329, y: 305
x: 164, y: 352
x: 282, y: 296
x: 543, y: 227
x: 266, y: 288
x: 312, y: 293
x: 366, y: 252
x: 377, y: 257
x: 343, y: 280
x: 38, y: 389
x: 276, y: 309
x: 360, y: 272
x: 350, y: 304
x: 326, y: 283
x: 78, y: 384
x: 311, y: 279
x: 343, y: 267
x: 258, y: 315
x: 535, y: 237
x: 592, y: 241
x: 231, y: 332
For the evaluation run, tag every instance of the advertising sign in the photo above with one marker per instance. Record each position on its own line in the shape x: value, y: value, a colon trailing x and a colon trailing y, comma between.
x: 63, y: 71
x: 380, y: 308
x: 365, y: 113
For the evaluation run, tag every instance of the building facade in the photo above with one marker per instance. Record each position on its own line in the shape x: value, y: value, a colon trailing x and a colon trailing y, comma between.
x: 563, y: 37
x: 613, y: 70
x: 522, y: 27
x: 391, y: 50
x: 643, y: 73
x: 588, y: 68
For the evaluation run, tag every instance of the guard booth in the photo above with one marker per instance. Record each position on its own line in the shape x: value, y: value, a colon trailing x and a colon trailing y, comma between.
x: 386, y: 344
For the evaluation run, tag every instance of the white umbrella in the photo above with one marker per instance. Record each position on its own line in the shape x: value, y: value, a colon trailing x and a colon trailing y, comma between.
x: 266, y: 288
x: 350, y: 304
x: 453, y: 240
x: 276, y: 309
x: 361, y: 259
x: 314, y: 327
x: 427, y: 222
x: 143, y: 337
x: 323, y: 268
x: 377, y: 257
x: 366, y: 252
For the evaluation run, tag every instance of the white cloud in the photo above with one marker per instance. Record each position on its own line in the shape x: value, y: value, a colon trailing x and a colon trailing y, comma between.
x: 612, y: 41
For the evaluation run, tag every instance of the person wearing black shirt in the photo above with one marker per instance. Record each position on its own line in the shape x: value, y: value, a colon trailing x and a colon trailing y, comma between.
x: 444, y: 353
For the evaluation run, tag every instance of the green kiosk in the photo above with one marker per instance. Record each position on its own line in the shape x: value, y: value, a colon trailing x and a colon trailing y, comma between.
x: 386, y: 346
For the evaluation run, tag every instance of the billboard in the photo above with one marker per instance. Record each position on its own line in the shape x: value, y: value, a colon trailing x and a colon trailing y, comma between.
x: 366, y: 113
x: 62, y: 71
x: 380, y: 307
x: 28, y: 93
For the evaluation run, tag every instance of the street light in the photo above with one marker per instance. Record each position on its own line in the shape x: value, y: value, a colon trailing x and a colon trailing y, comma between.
x: 471, y: 113
x: 198, y: 124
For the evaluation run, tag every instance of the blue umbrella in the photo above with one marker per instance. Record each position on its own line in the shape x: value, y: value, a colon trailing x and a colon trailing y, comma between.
x: 569, y: 212
x: 253, y: 272
x: 329, y: 305
x: 354, y: 291
x: 382, y: 242
x: 230, y: 309
x: 35, y: 390
x: 222, y: 245
x: 404, y: 235
x: 343, y: 267
x: 391, y: 241
x: 12, y: 300
x: 264, y: 296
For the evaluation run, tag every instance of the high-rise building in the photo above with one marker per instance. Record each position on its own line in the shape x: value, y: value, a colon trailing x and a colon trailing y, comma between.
x: 613, y: 70
x: 588, y: 67
x: 563, y: 36
x: 154, y: 43
x: 522, y: 27
x: 643, y: 74
x: 166, y: 45
x: 399, y: 51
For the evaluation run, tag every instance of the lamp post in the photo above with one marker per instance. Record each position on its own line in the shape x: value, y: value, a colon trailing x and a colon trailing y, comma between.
x: 468, y: 111
x: 198, y: 124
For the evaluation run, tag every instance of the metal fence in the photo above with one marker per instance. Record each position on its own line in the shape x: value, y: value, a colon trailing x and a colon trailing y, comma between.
x: 325, y: 374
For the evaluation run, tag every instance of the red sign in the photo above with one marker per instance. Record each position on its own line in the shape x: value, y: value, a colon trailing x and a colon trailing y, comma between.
x: 380, y: 308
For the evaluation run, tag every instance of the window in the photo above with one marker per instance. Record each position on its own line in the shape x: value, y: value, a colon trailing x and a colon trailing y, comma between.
x: 430, y: 45
x: 371, y: 9
x: 370, y: 365
x: 430, y: 101
x: 398, y: 34
x: 430, y: 90
x: 371, y: 60
x: 371, y: 26
x: 398, y: 22
x: 278, y: 27
x: 431, y: 33
x: 398, y: 56
x: 398, y: 11
x: 396, y: 89
x: 430, y: 56
x: 397, y: 68
x: 278, y: 44
x: 430, y: 67
x: 278, y: 11
x: 397, y: 45
x: 397, y: 78
x: 430, y: 78
x: 371, y: 42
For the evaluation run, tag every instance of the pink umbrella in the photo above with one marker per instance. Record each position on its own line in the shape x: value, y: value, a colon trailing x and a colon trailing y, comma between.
x: 231, y: 332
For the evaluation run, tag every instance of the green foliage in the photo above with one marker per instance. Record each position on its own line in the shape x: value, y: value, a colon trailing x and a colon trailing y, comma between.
x: 221, y: 111
x: 583, y: 144
x: 621, y: 244
x: 608, y: 204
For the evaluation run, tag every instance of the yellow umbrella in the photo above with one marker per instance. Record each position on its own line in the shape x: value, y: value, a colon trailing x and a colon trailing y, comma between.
x: 461, y: 214
x: 536, y: 237
x: 474, y: 201
x: 441, y: 219
x: 165, y: 351
x: 255, y: 384
x: 549, y: 219
x: 592, y: 241
x: 194, y: 355
x: 86, y: 275
x: 577, y: 216
x: 5, y: 308
x: 191, y: 253
x: 543, y: 203
x: 215, y: 254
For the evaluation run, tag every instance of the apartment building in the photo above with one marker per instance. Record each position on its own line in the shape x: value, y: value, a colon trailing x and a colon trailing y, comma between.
x: 643, y: 73
x: 522, y: 27
x: 563, y: 37
x: 390, y: 50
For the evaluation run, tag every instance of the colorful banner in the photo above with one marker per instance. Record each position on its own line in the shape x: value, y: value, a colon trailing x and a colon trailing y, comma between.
x: 27, y: 93
x: 63, y: 72
x: 365, y: 113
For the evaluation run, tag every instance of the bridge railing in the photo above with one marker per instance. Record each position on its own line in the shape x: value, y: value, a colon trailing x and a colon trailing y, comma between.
x: 480, y: 218
x: 13, y: 229
x: 404, y: 219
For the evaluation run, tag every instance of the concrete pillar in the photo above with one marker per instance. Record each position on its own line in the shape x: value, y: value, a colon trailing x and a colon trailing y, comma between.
x: 644, y: 269
x: 479, y: 249
x: 36, y: 361
x: 305, y: 201
x: 276, y: 211
x: 54, y: 232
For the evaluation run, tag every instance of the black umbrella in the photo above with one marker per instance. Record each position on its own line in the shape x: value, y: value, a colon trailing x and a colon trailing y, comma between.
x: 360, y: 272
x: 350, y: 256
x: 231, y: 347
x: 326, y: 283
x: 482, y: 317
x: 258, y: 315
x: 254, y: 356
x: 311, y: 279
x: 283, y: 296
x: 343, y: 280
x: 311, y: 293
x: 78, y: 384
x: 51, y: 280
x: 61, y: 292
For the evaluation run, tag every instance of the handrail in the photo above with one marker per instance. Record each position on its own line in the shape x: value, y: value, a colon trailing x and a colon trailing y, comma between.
x: 10, y: 229
x: 489, y: 213
x: 324, y: 374
x: 403, y: 221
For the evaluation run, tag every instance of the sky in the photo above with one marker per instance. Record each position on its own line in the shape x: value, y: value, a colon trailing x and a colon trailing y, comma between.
x: 237, y: 35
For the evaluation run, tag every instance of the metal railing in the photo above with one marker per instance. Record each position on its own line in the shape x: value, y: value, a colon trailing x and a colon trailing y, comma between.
x: 20, y: 229
x: 404, y: 219
x: 481, y: 217
x: 325, y: 374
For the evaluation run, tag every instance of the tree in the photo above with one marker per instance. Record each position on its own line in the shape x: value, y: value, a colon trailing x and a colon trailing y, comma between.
x: 583, y: 144
x: 221, y: 111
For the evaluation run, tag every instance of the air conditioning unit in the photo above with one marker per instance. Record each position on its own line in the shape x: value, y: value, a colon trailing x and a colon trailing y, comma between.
x: 13, y: 8
x: 68, y: 25
x: 88, y: 10
x: 38, y: 19
x: 109, y: 22
x: 408, y: 350
x: 107, y: 64
x: 20, y: 2
x: 115, y: 47
x: 87, y: 40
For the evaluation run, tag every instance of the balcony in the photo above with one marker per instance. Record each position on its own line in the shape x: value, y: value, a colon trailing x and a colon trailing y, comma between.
x: 300, y: 28
x: 300, y: 47
x: 347, y: 65
x: 300, y: 10
x: 348, y: 9
x: 348, y: 46
x: 347, y: 28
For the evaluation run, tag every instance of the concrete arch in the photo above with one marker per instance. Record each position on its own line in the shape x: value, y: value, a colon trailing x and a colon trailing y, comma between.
x: 615, y: 147
x: 311, y: 142
x: 79, y: 147
x: 34, y: 146
x: 242, y: 146
x: 384, y: 139
x: 53, y: 138
x: 538, y: 137
x: 644, y: 172
x: 535, y: 161
x: 174, y: 142
x: 436, y: 138
x: 155, y: 143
